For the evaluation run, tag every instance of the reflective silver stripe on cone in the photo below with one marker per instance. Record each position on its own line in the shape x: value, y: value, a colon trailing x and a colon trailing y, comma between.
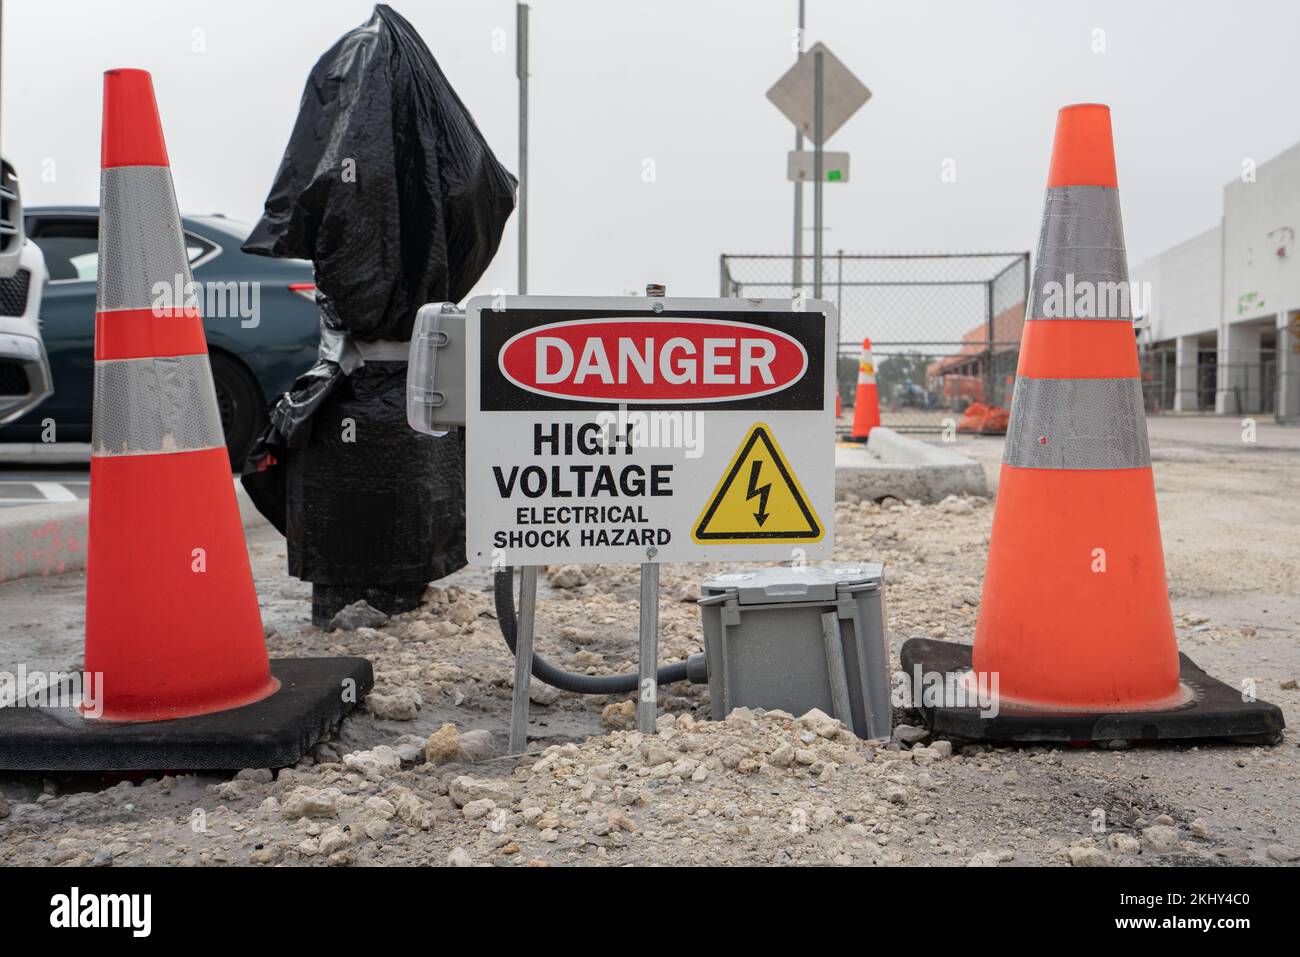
x: 1077, y: 424
x: 1081, y: 246
x: 140, y: 241
x: 152, y: 406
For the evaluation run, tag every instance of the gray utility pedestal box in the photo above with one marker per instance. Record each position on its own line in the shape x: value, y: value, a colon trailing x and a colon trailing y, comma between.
x: 797, y: 639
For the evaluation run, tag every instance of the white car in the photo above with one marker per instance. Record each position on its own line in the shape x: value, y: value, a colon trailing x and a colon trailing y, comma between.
x: 24, y: 369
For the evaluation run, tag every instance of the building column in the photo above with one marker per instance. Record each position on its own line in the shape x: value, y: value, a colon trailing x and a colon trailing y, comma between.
x: 1288, y: 366
x: 1238, y: 390
x: 1186, y: 354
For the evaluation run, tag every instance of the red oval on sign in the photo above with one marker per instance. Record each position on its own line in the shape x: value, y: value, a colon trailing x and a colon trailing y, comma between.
x: 653, y: 360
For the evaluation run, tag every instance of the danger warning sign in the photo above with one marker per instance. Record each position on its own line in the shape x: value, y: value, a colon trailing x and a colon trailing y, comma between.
x: 632, y: 430
x: 758, y: 499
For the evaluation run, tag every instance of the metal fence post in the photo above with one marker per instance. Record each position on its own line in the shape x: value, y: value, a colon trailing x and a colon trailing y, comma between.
x: 839, y: 281
x: 988, y: 369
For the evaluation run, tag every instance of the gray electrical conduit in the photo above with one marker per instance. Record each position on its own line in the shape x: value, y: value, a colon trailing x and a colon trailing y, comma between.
x: 543, y: 670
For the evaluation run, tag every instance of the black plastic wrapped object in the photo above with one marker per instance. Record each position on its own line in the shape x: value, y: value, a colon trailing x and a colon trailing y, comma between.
x: 374, y: 509
x: 389, y: 188
x: 387, y: 185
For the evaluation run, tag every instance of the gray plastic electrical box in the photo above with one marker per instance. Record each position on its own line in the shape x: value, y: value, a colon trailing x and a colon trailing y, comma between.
x: 800, y: 638
x: 435, y: 371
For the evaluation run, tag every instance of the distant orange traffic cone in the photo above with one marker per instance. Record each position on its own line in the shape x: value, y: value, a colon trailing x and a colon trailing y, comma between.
x: 1075, y: 640
x: 866, y: 404
x: 172, y: 621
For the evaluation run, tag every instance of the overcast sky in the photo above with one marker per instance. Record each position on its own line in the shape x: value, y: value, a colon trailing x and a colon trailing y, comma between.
x: 1194, y: 89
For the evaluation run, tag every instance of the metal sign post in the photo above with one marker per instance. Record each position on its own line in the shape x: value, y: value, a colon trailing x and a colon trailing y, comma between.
x: 647, y: 699
x: 647, y: 702
x: 818, y: 73
x: 523, y: 659
x: 818, y: 95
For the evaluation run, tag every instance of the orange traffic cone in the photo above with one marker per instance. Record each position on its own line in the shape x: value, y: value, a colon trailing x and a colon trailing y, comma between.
x: 866, y: 404
x: 1075, y: 631
x: 171, y: 615
x: 177, y: 674
x: 1090, y: 627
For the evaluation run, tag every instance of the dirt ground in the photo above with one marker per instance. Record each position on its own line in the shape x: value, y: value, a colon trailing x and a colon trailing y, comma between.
x: 756, y: 789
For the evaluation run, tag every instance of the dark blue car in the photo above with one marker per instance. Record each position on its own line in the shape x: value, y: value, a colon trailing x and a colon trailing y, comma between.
x: 259, y: 314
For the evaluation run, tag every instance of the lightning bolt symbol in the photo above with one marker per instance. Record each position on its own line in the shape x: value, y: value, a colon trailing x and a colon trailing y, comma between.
x: 761, y: 491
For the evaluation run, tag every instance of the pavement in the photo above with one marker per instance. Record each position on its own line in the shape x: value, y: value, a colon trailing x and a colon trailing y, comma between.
x: 706, y: 792
x: 18, y: 488
x: 1173, y: 438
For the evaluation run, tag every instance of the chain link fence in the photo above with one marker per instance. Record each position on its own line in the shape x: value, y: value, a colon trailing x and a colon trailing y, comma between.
x: 944, y: 327
x: 1253, y: 384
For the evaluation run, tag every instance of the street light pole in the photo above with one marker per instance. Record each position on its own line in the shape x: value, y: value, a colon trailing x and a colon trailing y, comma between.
x: 798, y: 186
x: 521, y: 70
x: 817, y: 175
x: 528, y: 574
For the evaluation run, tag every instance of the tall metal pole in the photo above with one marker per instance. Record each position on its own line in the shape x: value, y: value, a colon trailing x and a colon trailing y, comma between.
x: 798, y: 186
x: 817, y: 175
x: 521, y: 70
x: 528, y: 574
x: 2, y: 18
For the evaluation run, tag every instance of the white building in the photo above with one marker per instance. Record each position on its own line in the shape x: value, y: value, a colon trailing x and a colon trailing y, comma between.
x: 1223, y: 329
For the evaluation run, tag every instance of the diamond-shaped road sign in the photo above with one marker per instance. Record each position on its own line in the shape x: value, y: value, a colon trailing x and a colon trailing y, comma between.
x: 842, y: 93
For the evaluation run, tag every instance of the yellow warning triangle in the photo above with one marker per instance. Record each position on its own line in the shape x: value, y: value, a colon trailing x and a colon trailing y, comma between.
x: 758, y: 499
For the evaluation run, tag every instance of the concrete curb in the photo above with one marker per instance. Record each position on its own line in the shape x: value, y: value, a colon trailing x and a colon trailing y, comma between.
x: 897, y: 465
x: 51, y: 539
x: 44, y: 453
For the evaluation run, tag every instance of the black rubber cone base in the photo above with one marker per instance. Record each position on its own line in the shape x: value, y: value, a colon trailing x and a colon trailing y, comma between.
x: 1216, y: 710
x: 275, y: 732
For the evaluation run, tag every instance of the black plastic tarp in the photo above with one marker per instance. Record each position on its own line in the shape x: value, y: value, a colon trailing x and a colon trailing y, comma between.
x: 387, y: 185
x: 390, y: 190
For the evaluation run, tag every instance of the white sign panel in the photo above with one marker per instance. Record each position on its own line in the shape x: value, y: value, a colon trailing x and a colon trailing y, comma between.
x: 602, y: 430
x: 801, y: 166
